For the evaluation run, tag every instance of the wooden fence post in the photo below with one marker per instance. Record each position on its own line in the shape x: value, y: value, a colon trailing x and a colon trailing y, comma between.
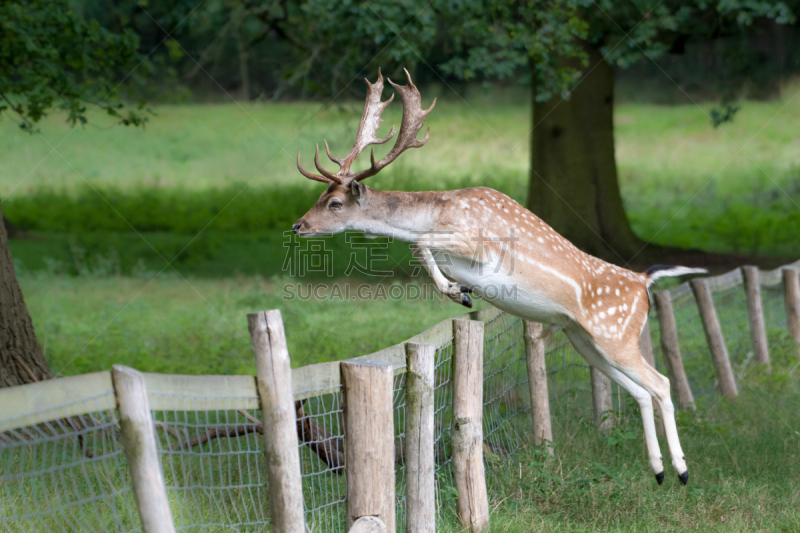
x: 646, y: 348
x: 537, y: 382
x: 419, y: 454
x: 671, y: 350
x: 646, y: 345
x: 369, y: 447
x: 467, y: 430
x: 601, y: 400
x: 791, y: 286
x: 755, y: 314
x: 141, y: 452
x: 274, y: 383
x: 368, y: 524
x: 716, y: 342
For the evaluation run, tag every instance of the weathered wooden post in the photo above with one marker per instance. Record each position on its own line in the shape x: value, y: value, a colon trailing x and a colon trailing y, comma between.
x: 274, y: 383
x: 537, y: 382
x: 369, y: 449
x: 755, y: 313
x: 602, y: 400
x: 141, y: 452
x: 368, y: 524
x: 467, y: 430
x: 646, y: 347
x: 791, y: 287
x: 419, y: 453
x: 716, y: 342
x: 671, y: 350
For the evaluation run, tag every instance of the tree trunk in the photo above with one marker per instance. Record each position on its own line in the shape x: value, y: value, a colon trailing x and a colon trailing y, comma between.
x: 21, y: 357
x: 244, y: 67
x: 573, y: 183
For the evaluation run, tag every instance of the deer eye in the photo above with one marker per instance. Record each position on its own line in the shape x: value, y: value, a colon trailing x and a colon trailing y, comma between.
x: 335, y: 204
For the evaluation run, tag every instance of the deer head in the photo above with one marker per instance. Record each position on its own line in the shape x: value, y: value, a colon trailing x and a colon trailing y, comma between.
x: 345, y: 204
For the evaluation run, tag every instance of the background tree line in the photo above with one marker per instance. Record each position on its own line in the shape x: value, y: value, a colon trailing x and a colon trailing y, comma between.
x: 285, y: 49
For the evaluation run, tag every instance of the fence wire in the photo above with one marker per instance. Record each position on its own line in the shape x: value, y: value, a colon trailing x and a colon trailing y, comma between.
x: 399, y: 408
x: 773, y: 298
x: 214, y: 465
x: 568, y: 383
x: 322, y: 461
x: 66, y: 474
x: 505, y: 379
x: 442, y: 417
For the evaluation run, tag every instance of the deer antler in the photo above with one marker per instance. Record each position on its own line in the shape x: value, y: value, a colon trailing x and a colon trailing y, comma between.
x: 413, y: 120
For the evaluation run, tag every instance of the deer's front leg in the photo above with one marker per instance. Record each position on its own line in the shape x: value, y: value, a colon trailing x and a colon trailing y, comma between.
x: 454, y: 291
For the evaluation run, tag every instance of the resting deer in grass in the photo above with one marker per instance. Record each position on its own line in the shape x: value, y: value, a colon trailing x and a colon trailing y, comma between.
x: 478, y: 240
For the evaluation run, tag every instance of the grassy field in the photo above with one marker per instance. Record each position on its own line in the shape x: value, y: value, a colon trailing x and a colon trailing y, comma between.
x: 196, y: 326
x: 743, y: 459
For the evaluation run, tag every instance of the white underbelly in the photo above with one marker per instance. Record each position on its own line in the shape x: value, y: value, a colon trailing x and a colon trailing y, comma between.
x: 519, y: 297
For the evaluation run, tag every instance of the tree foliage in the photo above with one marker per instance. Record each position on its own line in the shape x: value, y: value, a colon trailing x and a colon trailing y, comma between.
x: 496, y: 38
x: 311, y: 48
x: 51, y: 57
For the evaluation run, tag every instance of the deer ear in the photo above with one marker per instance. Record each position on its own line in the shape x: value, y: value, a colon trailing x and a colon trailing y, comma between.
x: 359, y: 191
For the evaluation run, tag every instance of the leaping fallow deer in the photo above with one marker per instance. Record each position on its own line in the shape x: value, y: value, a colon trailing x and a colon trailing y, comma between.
x: 483, y: 241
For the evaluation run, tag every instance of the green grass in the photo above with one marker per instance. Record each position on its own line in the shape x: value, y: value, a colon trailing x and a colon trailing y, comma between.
x: 199, y: 326
x: 743, y: 460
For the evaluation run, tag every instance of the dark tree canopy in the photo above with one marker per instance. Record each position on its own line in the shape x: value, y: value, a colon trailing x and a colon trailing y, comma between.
x: 52, y: 58
x: 497, y: 38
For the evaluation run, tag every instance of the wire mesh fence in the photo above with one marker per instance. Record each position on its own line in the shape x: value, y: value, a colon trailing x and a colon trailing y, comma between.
x: 505, y: 377
x: 322, y: 434
x: 66, y: 474
x: 399, y: 409
x: 568, y: 382
x: 774, y: 302
x: 442, y: 416
x: 69, y: 473
x: 214, y: 465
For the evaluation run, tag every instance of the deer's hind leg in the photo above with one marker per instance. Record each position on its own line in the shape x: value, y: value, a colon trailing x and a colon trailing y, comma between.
x: 595, y: 357
x: 630, y: 362
x: 658, y: 386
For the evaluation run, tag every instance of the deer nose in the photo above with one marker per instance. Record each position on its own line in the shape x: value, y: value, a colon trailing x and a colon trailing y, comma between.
x: 296, y: 227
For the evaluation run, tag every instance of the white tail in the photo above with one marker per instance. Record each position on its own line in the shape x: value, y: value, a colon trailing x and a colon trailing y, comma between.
x: 480, y: 240
x: 656, y: 272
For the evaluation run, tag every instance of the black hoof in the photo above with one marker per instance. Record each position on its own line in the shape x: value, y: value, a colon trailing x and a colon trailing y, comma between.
x: 684, y: 477
x: 660, y: 477
x: 464, y: 288
x: 466, y: 301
